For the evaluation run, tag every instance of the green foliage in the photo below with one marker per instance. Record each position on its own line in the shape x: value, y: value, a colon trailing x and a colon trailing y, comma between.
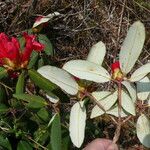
x: 3, y: 73
x: 40, y: 81
x: 56, y: 133
x: 20, y: 84
x: 33, y: 100
x: 23, y: 145
x: 47, y: 43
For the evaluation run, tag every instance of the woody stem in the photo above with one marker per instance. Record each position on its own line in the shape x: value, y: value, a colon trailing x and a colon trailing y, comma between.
x: 118, y: 129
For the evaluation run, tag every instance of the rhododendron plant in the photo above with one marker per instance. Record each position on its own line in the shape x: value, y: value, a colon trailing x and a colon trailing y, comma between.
x: 120, y: 101
x: 12, y: 57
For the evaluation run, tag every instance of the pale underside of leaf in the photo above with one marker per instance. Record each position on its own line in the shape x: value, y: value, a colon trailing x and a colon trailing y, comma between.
x: 143, y: 130
x: 140, y: 73
x: 143, y: 88
x: 127, y: 103
x: 77, y: 123
x: 52, y: 98
x: 97, y: 53
x: 45, y: 19
x: 87, y: 70
x: 132, y: 46
x: 114, y: 112
x: 106, y: 99
x: 131, y: 89
x: 60, y: 77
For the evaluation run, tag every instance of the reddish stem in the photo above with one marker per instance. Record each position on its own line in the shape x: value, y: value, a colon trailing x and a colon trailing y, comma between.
x: 118, y: 129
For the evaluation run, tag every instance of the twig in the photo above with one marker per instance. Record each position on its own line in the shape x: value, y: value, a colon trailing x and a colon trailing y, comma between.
x: 36, y: 143
x: 118, y: 129
x: 95, y: 101
x: 120, y: 24
x: 7, y: 87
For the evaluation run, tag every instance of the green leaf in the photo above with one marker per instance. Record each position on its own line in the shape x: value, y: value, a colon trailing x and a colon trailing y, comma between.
x: 34, y: 58
x: 41, y: 136
x: 40, y: 62
x: 52, y: 97
x: 127, y: 103
x: 77, y: 123
x: 143, y: 130
x: 143, y: 88
x: 87, y: 70
x: 56, y: 133
x: 97, y: 53
x: 33, y: 100
x: 131, y: 89
x: 3, y: 72
x: 43, y: 114
x: 106, y: 99
x: 132, y: 46
x: 59, y: 77
x: 21, y: 42
x: 114, y: 111
x: 48, y: 49
x: 40, y: 81
x: 4, y: 142
x: 65, y: 139
x: 140, y: 73
x: 23, y: 145
x: 20, y: 84
x: 3, y: 108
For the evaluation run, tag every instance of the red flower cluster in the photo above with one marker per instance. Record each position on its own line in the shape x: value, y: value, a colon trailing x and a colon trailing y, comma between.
x: 14, y: 58
x: 115, y: 65
x: 116, y: 71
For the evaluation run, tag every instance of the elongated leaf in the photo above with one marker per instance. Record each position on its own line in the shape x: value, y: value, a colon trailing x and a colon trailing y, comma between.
x: 33, y: 100
x: 106, y: 99
x: 60, y: 77
x: 143, y: 88
x: 45, y: 19
x: 3, y: 108
x: 140, y: 73
x: 87, y: 70
x: 56, y: 133
x: 132, y: 46
x: 20, y: 84
x: 40, y: 62
x: 40, y: 81
x: 131, y: 89
x: 23, y: 145
x: 33, y: 59
x: 48, y: 49
x: 127, y: 103
x: 51, y: 120
x: 52, y: 97
x: 143, y: 130
x: 114, y: 111
x: 77, y: 123
x: 97, y: 53
x: 43, y: 114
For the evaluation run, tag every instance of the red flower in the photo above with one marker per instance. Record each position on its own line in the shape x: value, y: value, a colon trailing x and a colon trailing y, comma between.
x: 38, y: 18
x: 116, y: 71
x: 11, y: 57
x: 115, y: 65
